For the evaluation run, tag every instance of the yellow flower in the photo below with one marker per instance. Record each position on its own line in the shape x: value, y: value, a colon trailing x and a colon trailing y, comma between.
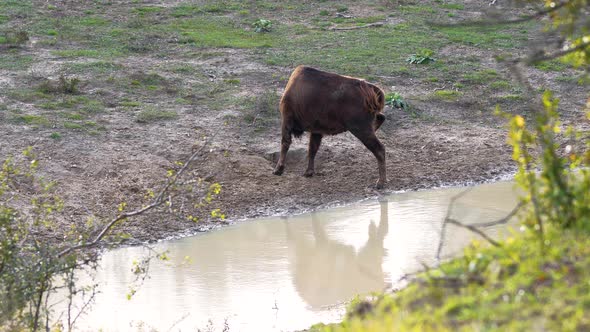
x: 519, y: 120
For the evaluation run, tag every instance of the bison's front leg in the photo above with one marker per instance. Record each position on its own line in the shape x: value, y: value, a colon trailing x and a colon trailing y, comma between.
x: 314, y: 144
x: 285, y: 144
x: 374, y: 145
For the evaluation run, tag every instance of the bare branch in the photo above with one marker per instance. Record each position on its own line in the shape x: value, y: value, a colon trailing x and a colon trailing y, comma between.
x: 474, y: 230
x: 158, y: 200
x: 444, y: 222
x: 178, y: 321
x: 550, y: 56
x: 83, y: 309
x: 503, y: 220
x: 491, y: 22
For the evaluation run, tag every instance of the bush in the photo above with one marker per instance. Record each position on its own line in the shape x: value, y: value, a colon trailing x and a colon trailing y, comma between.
x: 262, y: 25
x: 424, y: 56
x: 394, y: 99
x: 38, y: 257
x: 557, y: 181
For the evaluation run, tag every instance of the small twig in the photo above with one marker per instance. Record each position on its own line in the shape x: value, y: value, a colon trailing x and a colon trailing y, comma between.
x: 376, y: 24
x: 536, y: 15
x: 178, y: 321
x: 437, y: 89
x: 543, y: 57
x: 343, y: 15
x: 444, y: 222
x: 503, y: 220
x: 159, y: 200
x: 474, y: 230
x: 82, y: 310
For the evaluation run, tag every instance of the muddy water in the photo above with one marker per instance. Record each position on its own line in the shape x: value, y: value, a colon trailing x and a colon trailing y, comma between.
x: 283, y: 274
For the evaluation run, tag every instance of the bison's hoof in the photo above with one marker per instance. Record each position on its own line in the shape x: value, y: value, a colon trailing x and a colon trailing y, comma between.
x: 278, y: 171
x: 308, y: 173
x: 379, y: 185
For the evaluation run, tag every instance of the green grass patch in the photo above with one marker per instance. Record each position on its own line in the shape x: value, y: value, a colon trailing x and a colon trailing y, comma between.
x: 414, y: 9
x: 142, y: 11
x: 501, y: 85
x: 152, y: 115
x: 511, y: 97
x: 81, y: 104
x: 219, y: 32
x: 183, y: 69
x: 16, y: 8
x: 73, y: 125
x: 72, y: 116
x: 28, y: 95
x: 92, y: 107
x: 94, y: 67
x: 455, y: 6
x: 191, y: 10
x: 358, y: 20
x: 77, y: 53
x: 481, y: 77
x: 36, y: 120
x: 551, y: 65
x: 128, y: 103
x: 485, y: 37
x: 353, y: 52
x: 93, y: 21
x: 14, y: 61
x: 448, y: 95
x: 90, y: 127
x: 232, y: 81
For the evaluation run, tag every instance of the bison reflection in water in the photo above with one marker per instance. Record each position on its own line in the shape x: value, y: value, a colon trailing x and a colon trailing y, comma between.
x: 327, y: 272
x: 323, y: 103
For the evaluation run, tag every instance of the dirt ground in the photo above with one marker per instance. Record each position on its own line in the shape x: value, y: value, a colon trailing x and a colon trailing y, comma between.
x: 439, y: 143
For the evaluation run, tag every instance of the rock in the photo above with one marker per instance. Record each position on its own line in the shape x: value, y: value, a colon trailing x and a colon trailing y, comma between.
x: 294, y: 156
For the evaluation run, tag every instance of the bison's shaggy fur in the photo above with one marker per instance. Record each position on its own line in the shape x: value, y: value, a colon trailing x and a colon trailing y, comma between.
x: 323, y: 103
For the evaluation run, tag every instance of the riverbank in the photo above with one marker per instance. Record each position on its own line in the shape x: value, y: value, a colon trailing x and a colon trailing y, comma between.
x: 515, y: 287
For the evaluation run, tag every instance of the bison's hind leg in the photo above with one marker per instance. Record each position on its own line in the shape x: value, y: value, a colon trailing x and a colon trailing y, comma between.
x: 370, y: 140
x: 314, y: 144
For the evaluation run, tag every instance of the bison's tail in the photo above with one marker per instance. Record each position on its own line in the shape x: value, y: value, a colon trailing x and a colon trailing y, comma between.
x: 373, y: 96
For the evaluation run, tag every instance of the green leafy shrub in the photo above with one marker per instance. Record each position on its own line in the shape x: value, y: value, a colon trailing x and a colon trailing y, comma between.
x: 424, y: 56
x: 394, y: 99
x: 262, y: 25
x: 557, y: 182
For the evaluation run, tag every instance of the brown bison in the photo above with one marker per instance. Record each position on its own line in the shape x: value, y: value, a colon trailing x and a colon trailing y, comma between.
x: 328, y: 104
